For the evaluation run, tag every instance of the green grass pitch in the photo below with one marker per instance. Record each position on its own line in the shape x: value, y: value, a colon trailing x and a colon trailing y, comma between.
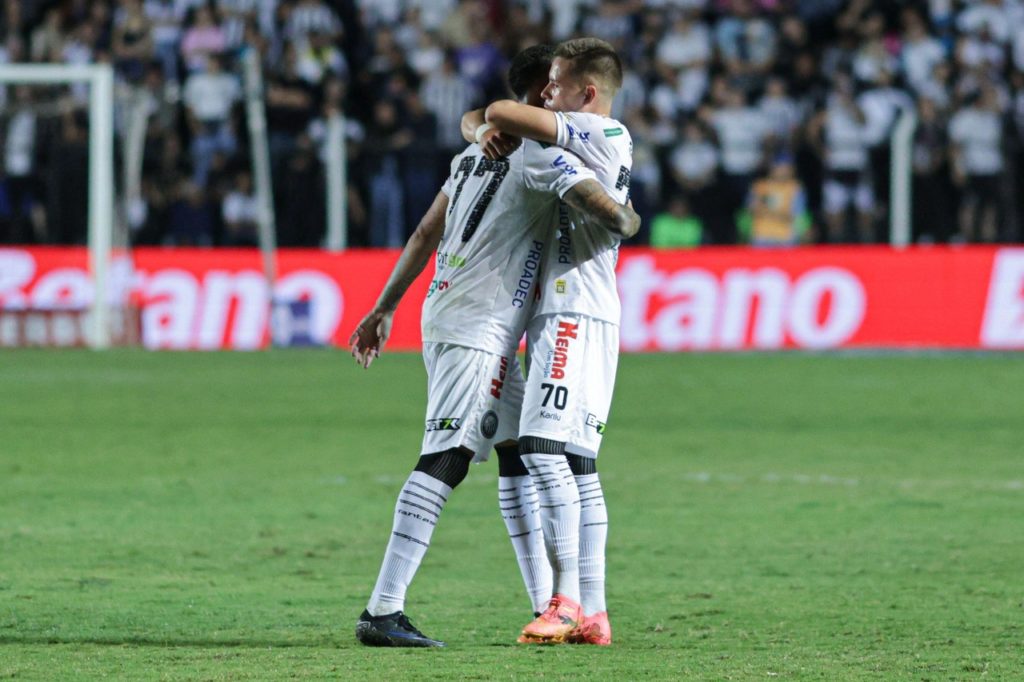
x: 779, y: 516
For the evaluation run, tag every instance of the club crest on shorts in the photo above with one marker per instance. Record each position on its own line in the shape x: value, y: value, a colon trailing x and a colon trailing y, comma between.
x: 444, y: 424
x: 489, y: 424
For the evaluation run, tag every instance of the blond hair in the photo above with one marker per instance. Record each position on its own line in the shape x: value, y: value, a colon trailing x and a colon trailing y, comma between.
x: 593, y: 58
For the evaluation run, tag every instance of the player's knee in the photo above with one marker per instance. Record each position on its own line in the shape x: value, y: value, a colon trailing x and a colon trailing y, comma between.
x: 580, y: 465
x: 450, y: 466
x: 510, y: 464
x: 533, y: 445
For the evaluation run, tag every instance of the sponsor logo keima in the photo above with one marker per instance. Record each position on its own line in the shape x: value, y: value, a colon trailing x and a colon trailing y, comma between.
x: 498, y: 382
x: 560, y: 355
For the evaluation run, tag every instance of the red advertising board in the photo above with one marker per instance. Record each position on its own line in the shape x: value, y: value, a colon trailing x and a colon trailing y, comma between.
x: 708, y: 299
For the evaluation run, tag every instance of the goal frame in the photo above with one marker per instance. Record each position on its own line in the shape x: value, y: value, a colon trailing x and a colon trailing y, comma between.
x: 100, y: 78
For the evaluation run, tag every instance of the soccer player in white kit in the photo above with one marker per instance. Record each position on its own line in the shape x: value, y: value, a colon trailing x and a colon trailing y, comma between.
x: 489, y: 226
x: 573, y: 339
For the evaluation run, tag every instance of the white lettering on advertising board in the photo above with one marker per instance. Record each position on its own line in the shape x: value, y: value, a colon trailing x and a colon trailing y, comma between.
x: 1003, y: 324
x: 822, y: 308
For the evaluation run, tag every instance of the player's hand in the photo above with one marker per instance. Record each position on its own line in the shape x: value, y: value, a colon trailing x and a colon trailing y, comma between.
x: 496, y: 144
x: 371, y: 334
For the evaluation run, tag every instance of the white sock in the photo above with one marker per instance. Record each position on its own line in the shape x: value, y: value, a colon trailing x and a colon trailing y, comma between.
x: 560, y: 519
x: 416, y: 513
x: 593, y: 539
x: 520, y: 508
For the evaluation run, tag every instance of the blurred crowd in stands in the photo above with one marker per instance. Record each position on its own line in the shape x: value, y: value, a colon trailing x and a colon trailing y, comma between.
x: 754, y: 121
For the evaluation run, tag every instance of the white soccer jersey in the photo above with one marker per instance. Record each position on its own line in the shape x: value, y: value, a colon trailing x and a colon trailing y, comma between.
x: 488, y: 262
x: 579, y: 268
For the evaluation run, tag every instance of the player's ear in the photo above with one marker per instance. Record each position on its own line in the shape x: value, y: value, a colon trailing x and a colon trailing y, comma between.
x: 589, y: 93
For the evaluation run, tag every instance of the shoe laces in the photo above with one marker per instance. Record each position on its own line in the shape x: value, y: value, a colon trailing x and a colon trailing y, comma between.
x: 553, y: 606
x: 403, y: 620
x: 554, y: 610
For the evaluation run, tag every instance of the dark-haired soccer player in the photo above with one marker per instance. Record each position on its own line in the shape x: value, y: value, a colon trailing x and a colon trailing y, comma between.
x: 573, y: 338
x: 489, y: 225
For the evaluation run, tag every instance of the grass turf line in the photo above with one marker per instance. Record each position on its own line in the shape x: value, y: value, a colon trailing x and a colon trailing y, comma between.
x: 223, y: 516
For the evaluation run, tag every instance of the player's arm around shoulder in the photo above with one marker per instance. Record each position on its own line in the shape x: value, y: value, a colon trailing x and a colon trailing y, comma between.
x: 494, y: 143
x: 589, y: 198
x: 523, y: 120
x: 471, y: 121
x: 373, y: 330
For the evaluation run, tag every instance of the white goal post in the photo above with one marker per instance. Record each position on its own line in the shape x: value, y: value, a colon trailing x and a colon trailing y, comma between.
x: 100, y: 78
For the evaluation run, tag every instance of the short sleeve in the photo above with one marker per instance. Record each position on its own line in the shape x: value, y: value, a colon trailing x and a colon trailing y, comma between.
x: 574, y: 130
x: 597, y: 140
x: 449, y: 185
x: 552, y: 169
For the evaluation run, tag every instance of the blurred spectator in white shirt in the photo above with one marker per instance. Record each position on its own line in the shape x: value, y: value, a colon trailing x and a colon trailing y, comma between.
x: 694, y: 165
x: 611, y: 21
x: 309, y: 16
x: 682, y: 59
x: 976, y: 131
x: 982, y: 52
x: 432, y: 12
x: 209, y: 98
x: 427, y: 55
x: 873, y: 56
x: 780, y: 113
x: 741, y: 131
x: 920, y: 51
x: 938, y: 87
x: 166, y: 16
x: 882, y: 103
x: 240, y: 212
x: 839, y: 133
x: 746, y: 43
x: 449, y: 94
x: 565, y: 16
x: 991, y: 16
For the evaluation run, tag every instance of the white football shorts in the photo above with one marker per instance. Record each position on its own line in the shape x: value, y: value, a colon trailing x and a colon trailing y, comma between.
x: 570, y: 379
x: 473, y: 399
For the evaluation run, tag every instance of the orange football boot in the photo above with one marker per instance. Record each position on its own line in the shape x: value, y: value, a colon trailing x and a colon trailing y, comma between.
x: 593, y: 629
x: 554, y: 626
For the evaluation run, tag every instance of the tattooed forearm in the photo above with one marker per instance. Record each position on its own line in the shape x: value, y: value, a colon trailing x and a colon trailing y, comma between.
x: 589, y: 198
